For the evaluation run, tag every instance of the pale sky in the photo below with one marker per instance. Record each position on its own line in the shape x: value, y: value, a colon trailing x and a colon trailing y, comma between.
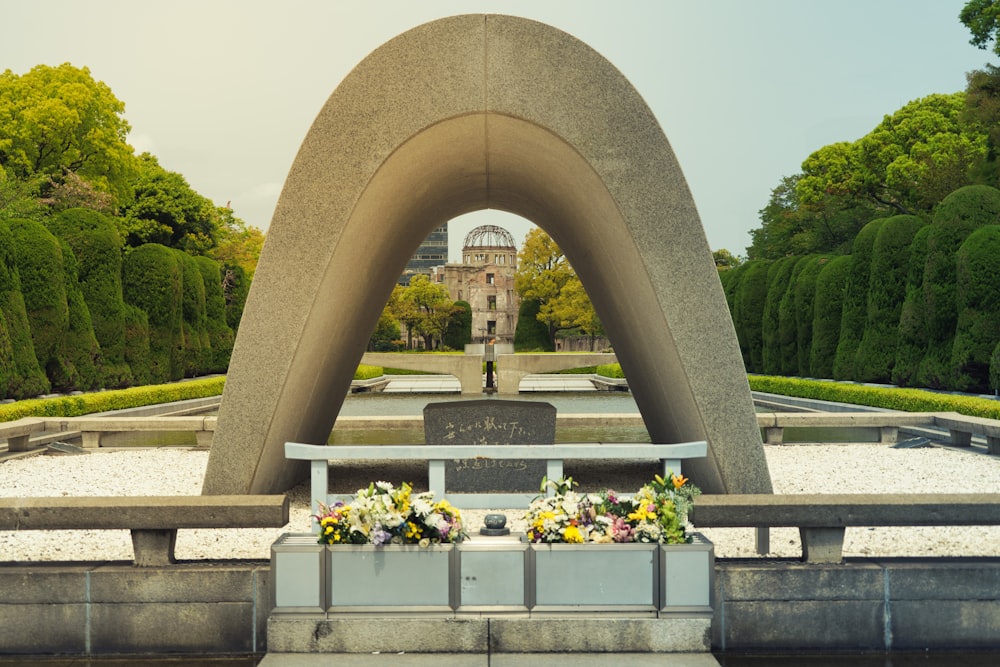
x: 224, y: 91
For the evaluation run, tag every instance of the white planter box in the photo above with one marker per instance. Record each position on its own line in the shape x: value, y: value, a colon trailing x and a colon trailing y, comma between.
x: 391, y: 578
x: 298, y: 573
x: 595, y: 577
x: 493, y: 576
x: 687, y: 576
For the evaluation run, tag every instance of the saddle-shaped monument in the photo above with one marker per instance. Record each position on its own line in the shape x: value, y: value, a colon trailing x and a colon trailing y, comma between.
x: 457, y: 115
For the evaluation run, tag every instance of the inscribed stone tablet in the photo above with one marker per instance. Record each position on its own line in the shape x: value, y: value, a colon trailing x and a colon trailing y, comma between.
x: 491, y: 422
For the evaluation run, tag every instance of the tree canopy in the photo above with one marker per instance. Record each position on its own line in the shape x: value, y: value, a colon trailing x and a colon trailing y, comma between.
x: 56, y: 121
x: 544, y: 276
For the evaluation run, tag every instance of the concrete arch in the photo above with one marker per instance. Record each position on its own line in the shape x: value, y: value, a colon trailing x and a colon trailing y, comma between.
x: 460, y: 114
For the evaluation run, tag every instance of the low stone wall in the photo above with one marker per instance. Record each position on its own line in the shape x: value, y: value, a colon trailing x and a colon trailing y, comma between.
x: 885, y: 604
x: 217, y: 607
x: 209, y: 607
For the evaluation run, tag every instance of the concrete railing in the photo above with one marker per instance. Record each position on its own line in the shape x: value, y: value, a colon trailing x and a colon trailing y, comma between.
x: 19, y: 433
x: 152, y: 520
x: 823, y: 518
x: 468, y: 368
x: 961, y: 428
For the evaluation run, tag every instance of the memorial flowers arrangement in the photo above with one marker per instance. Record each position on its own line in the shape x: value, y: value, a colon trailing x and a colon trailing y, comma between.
x: 383, y: 514
x: 656, y: 513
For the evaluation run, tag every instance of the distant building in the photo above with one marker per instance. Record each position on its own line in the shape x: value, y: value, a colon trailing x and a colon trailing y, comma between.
x: 485, y: 280
x: 431, y: 253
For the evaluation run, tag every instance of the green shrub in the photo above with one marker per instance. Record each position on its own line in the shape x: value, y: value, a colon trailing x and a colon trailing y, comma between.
x: 912, y: 335
x: 854, y: 311
x: 197, y: 344
x: 137, y: 343
x: 830, y: 286
x: 20, y: 374
x: 97, y: 246
x: 978, y: 330
x: 995, y: 369
x: 79, y: 347
x: 119, y: 399
x: 779, y: 277
x: 152, y: 280
x: 730, y: 286
x: 610, y: 371
x: 909, y: 400
x: 235, y: 288
x: 788, y: 320
x: 220, y: 334
x: 805, y: 309
x: 749, y: 313
x: 955, y: 218
x: 60, y: 323
x: 365, y: 372
x: 459, y: 330
x: 530, y: 335
x: 876, y: 354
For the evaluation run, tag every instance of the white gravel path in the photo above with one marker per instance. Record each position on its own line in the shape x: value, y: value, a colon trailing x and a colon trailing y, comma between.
x: 850, y: 468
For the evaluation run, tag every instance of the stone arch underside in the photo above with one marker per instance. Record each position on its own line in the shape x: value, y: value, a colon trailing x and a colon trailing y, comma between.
x: 465, y: 113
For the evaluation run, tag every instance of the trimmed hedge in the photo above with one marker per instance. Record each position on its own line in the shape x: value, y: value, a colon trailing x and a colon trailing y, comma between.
x: 610, y: 371
x: 779, y: 278
x: 909, y: 400
x: 530, y: 335
x: 119, y: 399
x: 20, y: 374
x: 830, y: 286
x: 152, y: 280
x: 978, y: 327
x: 957, y: 216
x: 197, y: 345
x: 220, y: 334
x: 805, y: 309
x: 748, y: 310
x: 97, y: 245
x: 876, y: 353
x: 855, y: 308
x: 912, y: 335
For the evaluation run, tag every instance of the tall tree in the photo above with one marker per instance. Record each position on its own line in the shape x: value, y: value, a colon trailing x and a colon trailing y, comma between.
x: 59, y: 120
x: 427, y: 308
x: 545, y: 277
x: 167, y: 211
x: 982, y: 18
x: 906, y: 164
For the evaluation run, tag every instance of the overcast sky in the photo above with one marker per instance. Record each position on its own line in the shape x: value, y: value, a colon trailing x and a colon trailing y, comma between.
x: 224, y: 91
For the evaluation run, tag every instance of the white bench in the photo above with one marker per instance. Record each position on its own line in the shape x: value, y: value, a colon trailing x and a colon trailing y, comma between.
x: 437, y: 456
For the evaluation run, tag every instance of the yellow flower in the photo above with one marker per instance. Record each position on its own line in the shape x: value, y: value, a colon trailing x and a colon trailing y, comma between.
x: 412, y: 530
x: 678, y: 480
x: 572, y: 534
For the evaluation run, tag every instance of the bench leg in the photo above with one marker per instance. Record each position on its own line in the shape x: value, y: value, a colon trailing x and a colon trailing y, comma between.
x: 17, y: 443
x: 91, y: 439
x: 204, y: 439
x: 153, y: 548
x: 763, y: 540
x: 993, y: 444
x: 773, y: 435
x: 961, y: 438
x: 822, y: 545
x: 888, y: 435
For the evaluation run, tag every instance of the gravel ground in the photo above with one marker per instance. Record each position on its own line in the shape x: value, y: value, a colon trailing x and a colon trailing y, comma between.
x: 813, y: 468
